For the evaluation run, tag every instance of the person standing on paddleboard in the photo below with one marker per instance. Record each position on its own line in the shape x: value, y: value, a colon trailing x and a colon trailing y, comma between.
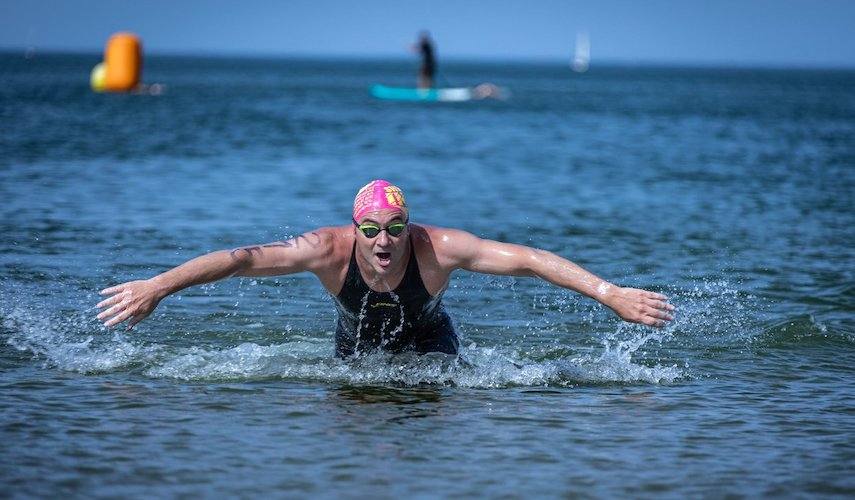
x: 427, y: 70
x: 386, y: 274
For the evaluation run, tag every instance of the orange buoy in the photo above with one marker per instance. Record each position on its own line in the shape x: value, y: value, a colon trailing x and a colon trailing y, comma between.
x: 123, y: 61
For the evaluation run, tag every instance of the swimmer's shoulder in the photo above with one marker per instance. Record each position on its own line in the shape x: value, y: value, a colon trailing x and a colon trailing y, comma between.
x: 332, y: 247
x: 447, y: 247
x: 439, y: 236
x: 330, y: 241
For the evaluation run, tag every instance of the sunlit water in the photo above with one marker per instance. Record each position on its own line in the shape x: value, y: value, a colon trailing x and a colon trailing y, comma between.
x: 728, y: 190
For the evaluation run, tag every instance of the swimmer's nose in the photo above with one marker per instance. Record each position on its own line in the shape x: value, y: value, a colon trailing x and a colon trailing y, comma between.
x: 383, y: 238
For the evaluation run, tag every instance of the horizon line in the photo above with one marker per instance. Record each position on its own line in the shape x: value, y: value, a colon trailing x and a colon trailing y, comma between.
x: 346, y: 56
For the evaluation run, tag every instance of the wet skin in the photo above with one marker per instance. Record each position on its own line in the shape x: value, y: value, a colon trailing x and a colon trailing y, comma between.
x: 382, y: 262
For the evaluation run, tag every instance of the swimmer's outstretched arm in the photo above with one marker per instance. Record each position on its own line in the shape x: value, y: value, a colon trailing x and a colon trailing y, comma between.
x: 135, y: 300
x: 465, y: 251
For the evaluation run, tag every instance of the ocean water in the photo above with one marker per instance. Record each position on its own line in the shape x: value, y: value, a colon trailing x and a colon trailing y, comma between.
x: 730, y: 190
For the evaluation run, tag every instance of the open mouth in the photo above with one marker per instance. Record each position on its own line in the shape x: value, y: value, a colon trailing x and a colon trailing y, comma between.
x: 384, y: 257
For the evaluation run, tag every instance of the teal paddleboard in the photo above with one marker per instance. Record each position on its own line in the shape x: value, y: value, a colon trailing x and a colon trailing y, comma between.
x: 414, y: 94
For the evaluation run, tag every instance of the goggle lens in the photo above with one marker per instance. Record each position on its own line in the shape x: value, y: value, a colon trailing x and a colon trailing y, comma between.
x: 396, y: 229
x: 371, y: 231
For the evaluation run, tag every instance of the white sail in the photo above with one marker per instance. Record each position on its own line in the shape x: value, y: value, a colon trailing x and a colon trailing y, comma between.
x: 582, y: 57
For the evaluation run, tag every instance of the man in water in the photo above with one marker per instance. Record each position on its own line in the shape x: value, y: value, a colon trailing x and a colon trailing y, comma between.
x: 386, y: 274
x: 428, y: 67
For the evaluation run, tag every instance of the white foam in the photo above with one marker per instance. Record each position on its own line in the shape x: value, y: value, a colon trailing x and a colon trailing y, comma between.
x: 66, y: 344
x: 482, y: 367
x: 76, y: 342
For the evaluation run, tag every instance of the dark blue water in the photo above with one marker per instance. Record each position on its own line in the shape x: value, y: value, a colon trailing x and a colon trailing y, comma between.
x: 729, y: 190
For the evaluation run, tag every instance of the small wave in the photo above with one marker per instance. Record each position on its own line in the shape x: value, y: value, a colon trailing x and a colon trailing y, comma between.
x: 803, y: 330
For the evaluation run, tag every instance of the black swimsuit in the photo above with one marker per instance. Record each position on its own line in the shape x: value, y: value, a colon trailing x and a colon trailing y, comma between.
x: 408, y: 318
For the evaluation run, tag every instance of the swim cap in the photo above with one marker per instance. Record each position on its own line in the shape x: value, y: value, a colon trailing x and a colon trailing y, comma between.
x: 378, y: 195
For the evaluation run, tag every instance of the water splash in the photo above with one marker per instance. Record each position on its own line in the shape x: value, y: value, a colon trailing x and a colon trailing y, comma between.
x: 602, y: 351
x: 387, y: 336
x: 68, y: 344
x: 361, y: 316
x: 714, y: 313
x: 392, y: 335
x: 476, y: 367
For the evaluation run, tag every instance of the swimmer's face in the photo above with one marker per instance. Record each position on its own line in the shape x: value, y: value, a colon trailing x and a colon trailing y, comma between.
x: 384, y: 253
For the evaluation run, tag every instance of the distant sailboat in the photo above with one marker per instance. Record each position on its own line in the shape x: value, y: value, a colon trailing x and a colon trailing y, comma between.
x: 582, y: 57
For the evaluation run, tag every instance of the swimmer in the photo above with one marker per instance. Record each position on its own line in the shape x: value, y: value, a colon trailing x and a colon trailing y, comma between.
x: 488, y: 90
x: 386, y: 275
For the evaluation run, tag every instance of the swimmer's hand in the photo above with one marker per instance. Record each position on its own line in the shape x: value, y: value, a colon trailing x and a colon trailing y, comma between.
x: 132, y: 302
x: 639, y: 306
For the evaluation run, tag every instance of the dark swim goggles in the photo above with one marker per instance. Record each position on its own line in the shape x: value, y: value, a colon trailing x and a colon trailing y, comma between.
x: 371, y: 230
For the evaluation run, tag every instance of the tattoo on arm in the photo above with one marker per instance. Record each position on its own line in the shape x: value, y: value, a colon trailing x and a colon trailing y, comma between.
x: 258, y: 248
x: 294, y: 242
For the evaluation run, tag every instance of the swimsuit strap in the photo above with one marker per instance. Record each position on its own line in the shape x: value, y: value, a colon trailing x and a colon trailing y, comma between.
x: 412, y: 276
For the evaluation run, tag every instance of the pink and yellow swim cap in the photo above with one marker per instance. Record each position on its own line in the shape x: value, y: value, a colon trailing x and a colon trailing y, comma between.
x: 379, y: 195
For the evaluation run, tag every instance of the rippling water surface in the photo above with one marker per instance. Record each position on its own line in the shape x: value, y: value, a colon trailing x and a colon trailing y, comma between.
x: 729, y: 190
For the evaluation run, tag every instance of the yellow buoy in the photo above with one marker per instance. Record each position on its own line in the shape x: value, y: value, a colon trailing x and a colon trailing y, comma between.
x: 96, y: 78
x: 122, y: 66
